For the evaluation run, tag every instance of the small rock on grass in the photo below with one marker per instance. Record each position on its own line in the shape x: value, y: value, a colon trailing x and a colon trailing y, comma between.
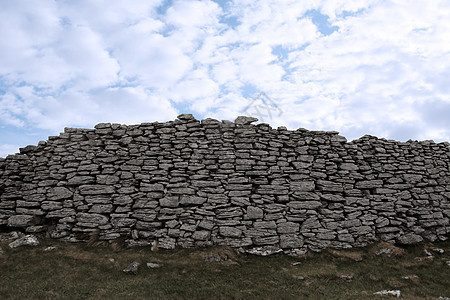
x: 153, y: 265
x: 438, y: 250
x: 346, y: 277
x: 51, y: 248
x: 132, y: 268
x: 28, y: 240
x: 10, y: 236
x: 393, y: 293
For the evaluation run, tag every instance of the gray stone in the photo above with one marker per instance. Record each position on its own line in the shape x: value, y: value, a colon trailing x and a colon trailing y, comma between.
x: 187, y: 117
x: 96, y: 189
x: 23, y: 221
x: 192, y: 200
x: 230, y: 231
x: 291, y: 241
x: 369, y: 184
x: 92, y: 218
x: 243, y: 120
x: 132, y: 268
x: 329, y: 186
x: 61, y: 213
x: 169, y: 201
x: 349, y: 167
x: 304, y: 186
x: 166, y: 243
x: 157, y: 187
x: 305, y: 204
x: 28, y: 240
x: 51, y: 205
x: 333, y: 197
x: 264, y: 251
x: 59, y: 193
x: 101, y: 208
x: 254, y: 212
x: 288, y: 227
x: 409, y: 238
x: 79, y: 180
x: 266, y: 240
x: 153, y: 265
x: 201, y: 235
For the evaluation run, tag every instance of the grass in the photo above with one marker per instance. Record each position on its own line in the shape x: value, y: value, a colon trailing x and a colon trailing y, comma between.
x: 80, y: 271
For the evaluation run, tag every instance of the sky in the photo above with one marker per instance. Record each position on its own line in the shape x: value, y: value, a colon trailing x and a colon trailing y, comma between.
x: 359, y: 67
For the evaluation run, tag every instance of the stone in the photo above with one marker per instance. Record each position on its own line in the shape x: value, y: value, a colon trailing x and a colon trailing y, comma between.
x: 409, y: 238
x: 349, y: 167
x: 230, y: 231
x: 254, y: 212
x: 92, y: 218
x: 201, y: 235
x: 23, y: 221
x: 61, y: 213
x: 187, y: 117
x: 264, y: 251
x: 10, y: 236
x: 153, y: 265
x: 157, y: 187
x: 393, y: 293
x: 59, y: 193
x: 291, y: 241
x: 169, y: 201
x: 96, y: 189
x: 305, y: 204
x: 80, y: 180
x: 166, y: 243
x: 192, y: 200
x: 28, y: 240
x: 304, y: 186
x: 243, y: 120
x: 51, y: 205
x: 132, y: 268
x: 329, y: 186
x: 288, y: 227
x: 369, y: 184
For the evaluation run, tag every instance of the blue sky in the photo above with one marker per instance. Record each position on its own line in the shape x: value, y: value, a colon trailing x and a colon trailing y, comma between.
x: 359, y: 67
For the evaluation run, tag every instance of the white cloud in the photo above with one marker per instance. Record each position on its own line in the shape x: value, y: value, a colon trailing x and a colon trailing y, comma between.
x: 186, y: 13
x: 7, y: 149
x: 384, y: 71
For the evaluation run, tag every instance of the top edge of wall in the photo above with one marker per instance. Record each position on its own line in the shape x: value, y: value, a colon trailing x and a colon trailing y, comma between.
x: 240, y: 121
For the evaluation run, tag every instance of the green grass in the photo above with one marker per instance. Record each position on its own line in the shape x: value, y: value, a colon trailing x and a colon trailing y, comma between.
x: 79, y: 271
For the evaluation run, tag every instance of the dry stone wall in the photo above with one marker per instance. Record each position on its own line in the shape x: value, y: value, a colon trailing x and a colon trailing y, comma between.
x: 189, y: 182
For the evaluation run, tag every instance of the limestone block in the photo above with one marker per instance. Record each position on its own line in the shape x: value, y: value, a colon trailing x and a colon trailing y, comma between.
x: 96, y: 189
x: 302, y: 186
x: 291, y: 241
x: 243, y: 120
x: 254, y: 212
x: 288, y: 227
x: 369, y: 184
x: 23, y: 221
x: 92, y: 218
x: 329, y: 186
x: 169, y: 201
x: 409, y: 238
x: 59, y: 193
x: 201, y: 235
x: 230, y: 231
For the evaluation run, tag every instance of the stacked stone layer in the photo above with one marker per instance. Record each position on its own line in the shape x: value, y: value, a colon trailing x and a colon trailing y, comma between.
x: 189, y: 182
